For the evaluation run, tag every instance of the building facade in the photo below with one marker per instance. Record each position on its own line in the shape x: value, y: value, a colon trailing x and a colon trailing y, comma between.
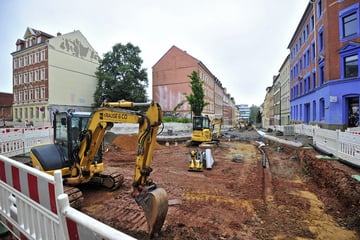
x: 171, y: 82
x: 267, y: 113
x: 324, y: 65
x: 244, y: 111
x: 6, y: 100
x: 281, y: 90
x: 52, y: 73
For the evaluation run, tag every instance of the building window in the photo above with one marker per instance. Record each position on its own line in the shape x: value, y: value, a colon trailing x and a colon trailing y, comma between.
x: 349, y: 25
x: 322, y: 108
x: 30, y: 94
x: 319, y: 9
x: 307, y: 57
x: 42, y: 93
x: 15, y: 64
x: 36, y: 93
x: 42, y: 74
x: 351, y: 66
x: 30, y: 76
x: 321, y: 75
x: 30, y: 58
x: 25, y: 60
x: 313, y: 80
x: 36, y: 75
x: 321, y: 40
x: 25, y: 77
x: 349, y: 60
x: 36, y: 57
x: 314, y: 111
x: 312, y: 23
x: 42, y: 55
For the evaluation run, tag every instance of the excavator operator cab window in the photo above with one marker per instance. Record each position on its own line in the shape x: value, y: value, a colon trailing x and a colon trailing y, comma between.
x: 60, y: 134
x: 206, y: 123
x: 197, y: 123
x: 200, y: 123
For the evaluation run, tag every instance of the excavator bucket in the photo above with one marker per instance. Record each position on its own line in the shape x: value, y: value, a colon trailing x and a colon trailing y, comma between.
x: 155, y: 206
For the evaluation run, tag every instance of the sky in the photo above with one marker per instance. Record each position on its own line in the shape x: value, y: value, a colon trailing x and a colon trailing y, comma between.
x: 242, y: 43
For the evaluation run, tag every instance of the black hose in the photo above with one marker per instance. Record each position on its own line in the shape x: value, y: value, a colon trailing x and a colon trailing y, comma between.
x: 321, y: 150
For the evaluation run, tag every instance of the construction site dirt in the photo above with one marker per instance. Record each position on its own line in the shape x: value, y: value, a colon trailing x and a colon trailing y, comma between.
x: 297, y: 194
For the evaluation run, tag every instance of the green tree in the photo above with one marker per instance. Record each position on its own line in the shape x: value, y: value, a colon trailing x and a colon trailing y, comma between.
x: 120, y: 75
x: 196, y: 97
x: 254, y: 112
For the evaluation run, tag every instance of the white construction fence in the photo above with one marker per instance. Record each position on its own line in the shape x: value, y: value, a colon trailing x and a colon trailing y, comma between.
x: 17, y: 141
x: 344, y: 145
x: 33, y: 206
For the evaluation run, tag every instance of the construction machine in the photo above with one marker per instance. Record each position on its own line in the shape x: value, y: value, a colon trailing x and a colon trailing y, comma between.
x: 196, y: 160
x: 204, y: 130
x: 200, y: 159
x: 77, y: 152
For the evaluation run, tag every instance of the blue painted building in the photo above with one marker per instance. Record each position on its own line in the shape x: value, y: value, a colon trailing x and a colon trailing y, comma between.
x: 324, y: 65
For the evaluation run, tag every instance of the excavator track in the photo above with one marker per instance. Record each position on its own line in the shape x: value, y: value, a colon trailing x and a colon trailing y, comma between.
x: 108, y: 180
x: 75, y: 195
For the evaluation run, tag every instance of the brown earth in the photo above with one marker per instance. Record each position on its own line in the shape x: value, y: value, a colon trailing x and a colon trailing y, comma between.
x: 295, y: 196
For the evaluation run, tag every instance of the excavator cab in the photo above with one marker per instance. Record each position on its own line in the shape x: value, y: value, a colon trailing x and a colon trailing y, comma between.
x: 204, y: 130
x: 69, y: 128
x: 201, y: 130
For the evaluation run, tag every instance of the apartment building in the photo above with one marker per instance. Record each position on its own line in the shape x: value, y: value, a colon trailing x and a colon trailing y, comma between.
x: 267, y: 113
x: 171, y: 83
x: 324, y: 65
x: 244, y: 111
x: 6, y: 100
x: 52, y: 73
x: 281, y: 91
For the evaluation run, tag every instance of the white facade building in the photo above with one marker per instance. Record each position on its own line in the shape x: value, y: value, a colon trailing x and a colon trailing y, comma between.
x: 52, y: 74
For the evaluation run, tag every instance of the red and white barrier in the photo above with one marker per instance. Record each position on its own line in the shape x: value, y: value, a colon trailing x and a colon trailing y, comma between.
x: 17, y: 141
x: 28, y: 201
x: 33, y: 206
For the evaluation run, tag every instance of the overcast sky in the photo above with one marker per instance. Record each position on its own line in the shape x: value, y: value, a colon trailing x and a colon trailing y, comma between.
x: 243, y: 43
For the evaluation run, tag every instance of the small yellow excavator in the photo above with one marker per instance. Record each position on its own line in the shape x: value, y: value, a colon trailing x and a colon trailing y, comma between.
x: 204, y: 130
x: 77, y: 152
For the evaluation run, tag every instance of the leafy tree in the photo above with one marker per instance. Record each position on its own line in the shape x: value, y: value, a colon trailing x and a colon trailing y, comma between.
x: 254, y: 112
x: 196, y: 97
x: 120, y: 75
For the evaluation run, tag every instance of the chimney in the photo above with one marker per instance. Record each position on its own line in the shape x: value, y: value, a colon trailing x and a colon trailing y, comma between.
x: 58, y: 34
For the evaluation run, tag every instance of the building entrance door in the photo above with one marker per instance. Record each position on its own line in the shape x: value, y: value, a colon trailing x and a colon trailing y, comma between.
x: 353, y: 112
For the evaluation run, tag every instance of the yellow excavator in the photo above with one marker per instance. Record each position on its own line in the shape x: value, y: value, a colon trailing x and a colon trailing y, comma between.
x: 204, y: 130
x: 77, y: 152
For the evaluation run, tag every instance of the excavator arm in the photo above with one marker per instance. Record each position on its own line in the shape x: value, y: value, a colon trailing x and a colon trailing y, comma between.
x: 214, y: 122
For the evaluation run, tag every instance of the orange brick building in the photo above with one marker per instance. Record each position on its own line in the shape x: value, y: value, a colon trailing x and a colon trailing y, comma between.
x: 6, y: 100
x: 171, y: 82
